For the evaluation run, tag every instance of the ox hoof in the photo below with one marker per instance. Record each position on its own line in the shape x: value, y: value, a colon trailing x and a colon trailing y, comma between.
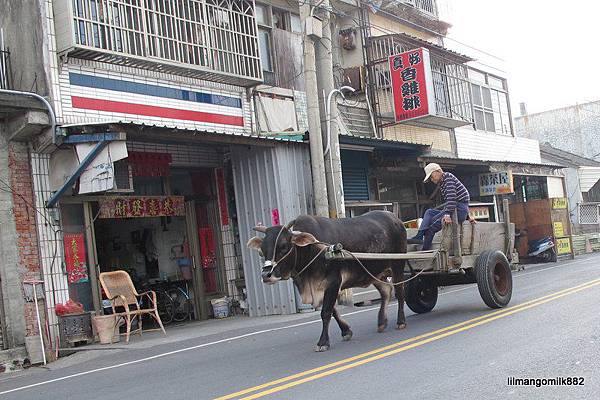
x: 400, y: 326
x: 347, y: 336
x: 382, y: 327
x: 320, y: 349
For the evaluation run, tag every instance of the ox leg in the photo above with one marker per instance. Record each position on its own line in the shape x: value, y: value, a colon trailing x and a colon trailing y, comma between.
x: 346, y: 331
x: 329, y: 299
x: 398, y: 276
x: 386, y: 293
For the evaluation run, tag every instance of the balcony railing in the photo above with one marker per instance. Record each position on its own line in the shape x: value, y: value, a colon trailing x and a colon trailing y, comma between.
x: 210, y: 39
x: 5, y: 71
x: 451, y: 88
x: 425, y: 6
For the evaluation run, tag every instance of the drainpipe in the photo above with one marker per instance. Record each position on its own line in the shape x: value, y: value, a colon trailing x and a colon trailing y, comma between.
x: 45, y: 102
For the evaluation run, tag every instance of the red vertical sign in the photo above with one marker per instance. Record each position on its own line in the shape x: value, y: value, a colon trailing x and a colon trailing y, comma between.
x: 75, y: 257
x: 275, y: 217
x: 222, y: 196
x: 411, y: 78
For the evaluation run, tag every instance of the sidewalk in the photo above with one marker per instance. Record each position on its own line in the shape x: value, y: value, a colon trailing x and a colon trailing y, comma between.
x: 218, y: 328
x: 198, y: 329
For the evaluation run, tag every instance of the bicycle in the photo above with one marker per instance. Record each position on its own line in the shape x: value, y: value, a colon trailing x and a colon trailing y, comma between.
x: 164, y: 306
x: 174, y: 302
x: 182, y: 305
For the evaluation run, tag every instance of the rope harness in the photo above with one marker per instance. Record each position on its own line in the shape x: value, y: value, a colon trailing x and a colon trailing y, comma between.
x: 272, y: 263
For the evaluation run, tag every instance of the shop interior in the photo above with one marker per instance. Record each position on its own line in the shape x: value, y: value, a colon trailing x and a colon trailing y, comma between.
x: 156, y: 252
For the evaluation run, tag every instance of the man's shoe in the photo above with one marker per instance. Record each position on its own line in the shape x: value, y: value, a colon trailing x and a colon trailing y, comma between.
x: 414, y: 240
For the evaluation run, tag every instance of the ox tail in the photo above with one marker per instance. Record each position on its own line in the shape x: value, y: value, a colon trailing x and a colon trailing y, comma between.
x: 402, y: 237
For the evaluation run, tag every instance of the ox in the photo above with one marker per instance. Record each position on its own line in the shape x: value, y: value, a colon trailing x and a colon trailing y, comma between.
x: 296, y: 251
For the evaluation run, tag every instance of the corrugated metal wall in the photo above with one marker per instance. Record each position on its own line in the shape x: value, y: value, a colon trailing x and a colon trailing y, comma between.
x: 267, y: 179
x: 588, y: 176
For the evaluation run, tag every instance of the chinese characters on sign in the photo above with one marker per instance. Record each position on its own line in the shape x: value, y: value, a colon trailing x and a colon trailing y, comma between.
x: 563, y: 246
x: 411, y: 84
x: 558, y: 229
x: 143, y: 206
x: 559, y: 203
x: 496, y: 183
x: 75, y: 257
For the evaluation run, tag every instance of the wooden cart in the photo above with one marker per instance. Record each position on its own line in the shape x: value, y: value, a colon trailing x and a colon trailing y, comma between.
x: 479, y: 253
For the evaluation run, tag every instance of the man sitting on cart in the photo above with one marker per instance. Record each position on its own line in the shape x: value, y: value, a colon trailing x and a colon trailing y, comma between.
x: 456, y: 197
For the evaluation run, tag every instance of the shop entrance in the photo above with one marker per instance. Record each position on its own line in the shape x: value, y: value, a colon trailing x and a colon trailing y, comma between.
x: 167, y: 243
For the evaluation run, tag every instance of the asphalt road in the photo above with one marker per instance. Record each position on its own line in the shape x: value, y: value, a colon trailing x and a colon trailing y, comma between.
x: 460, y: 350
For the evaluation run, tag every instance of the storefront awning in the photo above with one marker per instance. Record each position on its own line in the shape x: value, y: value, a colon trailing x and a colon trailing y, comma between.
x: 94, y: 153
x: 172, y: 133
x: 381, y: 144
x: 523, y: 167
x: 588, y: 177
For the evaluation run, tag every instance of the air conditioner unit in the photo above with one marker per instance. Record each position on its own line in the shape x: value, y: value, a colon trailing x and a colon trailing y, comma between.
x: 314, y: 27
x: 123, y: 177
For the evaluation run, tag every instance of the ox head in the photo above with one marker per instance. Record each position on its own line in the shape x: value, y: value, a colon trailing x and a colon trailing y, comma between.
x: 277, y: 250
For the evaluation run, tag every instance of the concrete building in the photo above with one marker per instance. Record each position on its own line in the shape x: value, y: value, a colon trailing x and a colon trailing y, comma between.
x: 468, y: 129
x: 574, y: 129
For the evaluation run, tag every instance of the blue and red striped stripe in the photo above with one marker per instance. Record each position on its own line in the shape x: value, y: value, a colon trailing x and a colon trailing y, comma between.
x: 125, y: 86
x: 155, y: 111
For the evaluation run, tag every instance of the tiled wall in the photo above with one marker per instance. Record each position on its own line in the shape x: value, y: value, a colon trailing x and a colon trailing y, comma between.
x: 52, y: 58
x: 301, y: 110
x: 439, y: 140
x: 115, y: 93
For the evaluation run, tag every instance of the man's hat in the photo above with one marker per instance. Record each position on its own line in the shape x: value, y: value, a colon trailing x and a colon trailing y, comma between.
x: 429, y: 168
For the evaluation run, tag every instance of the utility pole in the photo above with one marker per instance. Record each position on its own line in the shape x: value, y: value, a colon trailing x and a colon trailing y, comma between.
x: 326, y: 99
x: 329, y: 120
x: 314, y: 126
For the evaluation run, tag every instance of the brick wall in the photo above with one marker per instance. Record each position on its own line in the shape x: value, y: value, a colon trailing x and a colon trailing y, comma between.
x: 25, y: 223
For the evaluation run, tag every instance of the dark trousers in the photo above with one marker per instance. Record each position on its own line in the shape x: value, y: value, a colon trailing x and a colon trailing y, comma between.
x: 432, y: 222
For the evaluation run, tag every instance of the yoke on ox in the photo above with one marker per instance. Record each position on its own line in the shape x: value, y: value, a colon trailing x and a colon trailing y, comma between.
x: 297, y: 251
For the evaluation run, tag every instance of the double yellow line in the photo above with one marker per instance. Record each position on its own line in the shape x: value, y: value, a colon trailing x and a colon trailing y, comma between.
x: 386, y: 351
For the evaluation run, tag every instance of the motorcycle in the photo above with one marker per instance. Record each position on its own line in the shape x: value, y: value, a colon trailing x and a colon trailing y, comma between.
x: 543, y: 248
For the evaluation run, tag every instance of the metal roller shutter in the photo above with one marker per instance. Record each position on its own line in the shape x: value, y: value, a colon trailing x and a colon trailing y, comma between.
x: 355, y: 175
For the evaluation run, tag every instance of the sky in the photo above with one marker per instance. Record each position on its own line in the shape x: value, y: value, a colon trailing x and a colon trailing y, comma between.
x: 549, y: 49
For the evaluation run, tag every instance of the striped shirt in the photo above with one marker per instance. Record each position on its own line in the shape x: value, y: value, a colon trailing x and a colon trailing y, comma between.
x: 453, y: 192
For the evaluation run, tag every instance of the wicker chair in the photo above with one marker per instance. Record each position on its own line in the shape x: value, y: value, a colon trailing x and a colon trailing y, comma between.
x: 120, y: 291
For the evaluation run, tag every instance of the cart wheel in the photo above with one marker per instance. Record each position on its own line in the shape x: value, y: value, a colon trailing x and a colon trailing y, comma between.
x: 494, y: 278
x: 421, y: 294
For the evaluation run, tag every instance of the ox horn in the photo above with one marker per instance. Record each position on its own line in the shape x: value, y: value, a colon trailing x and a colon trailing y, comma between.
x: 260, y: 228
